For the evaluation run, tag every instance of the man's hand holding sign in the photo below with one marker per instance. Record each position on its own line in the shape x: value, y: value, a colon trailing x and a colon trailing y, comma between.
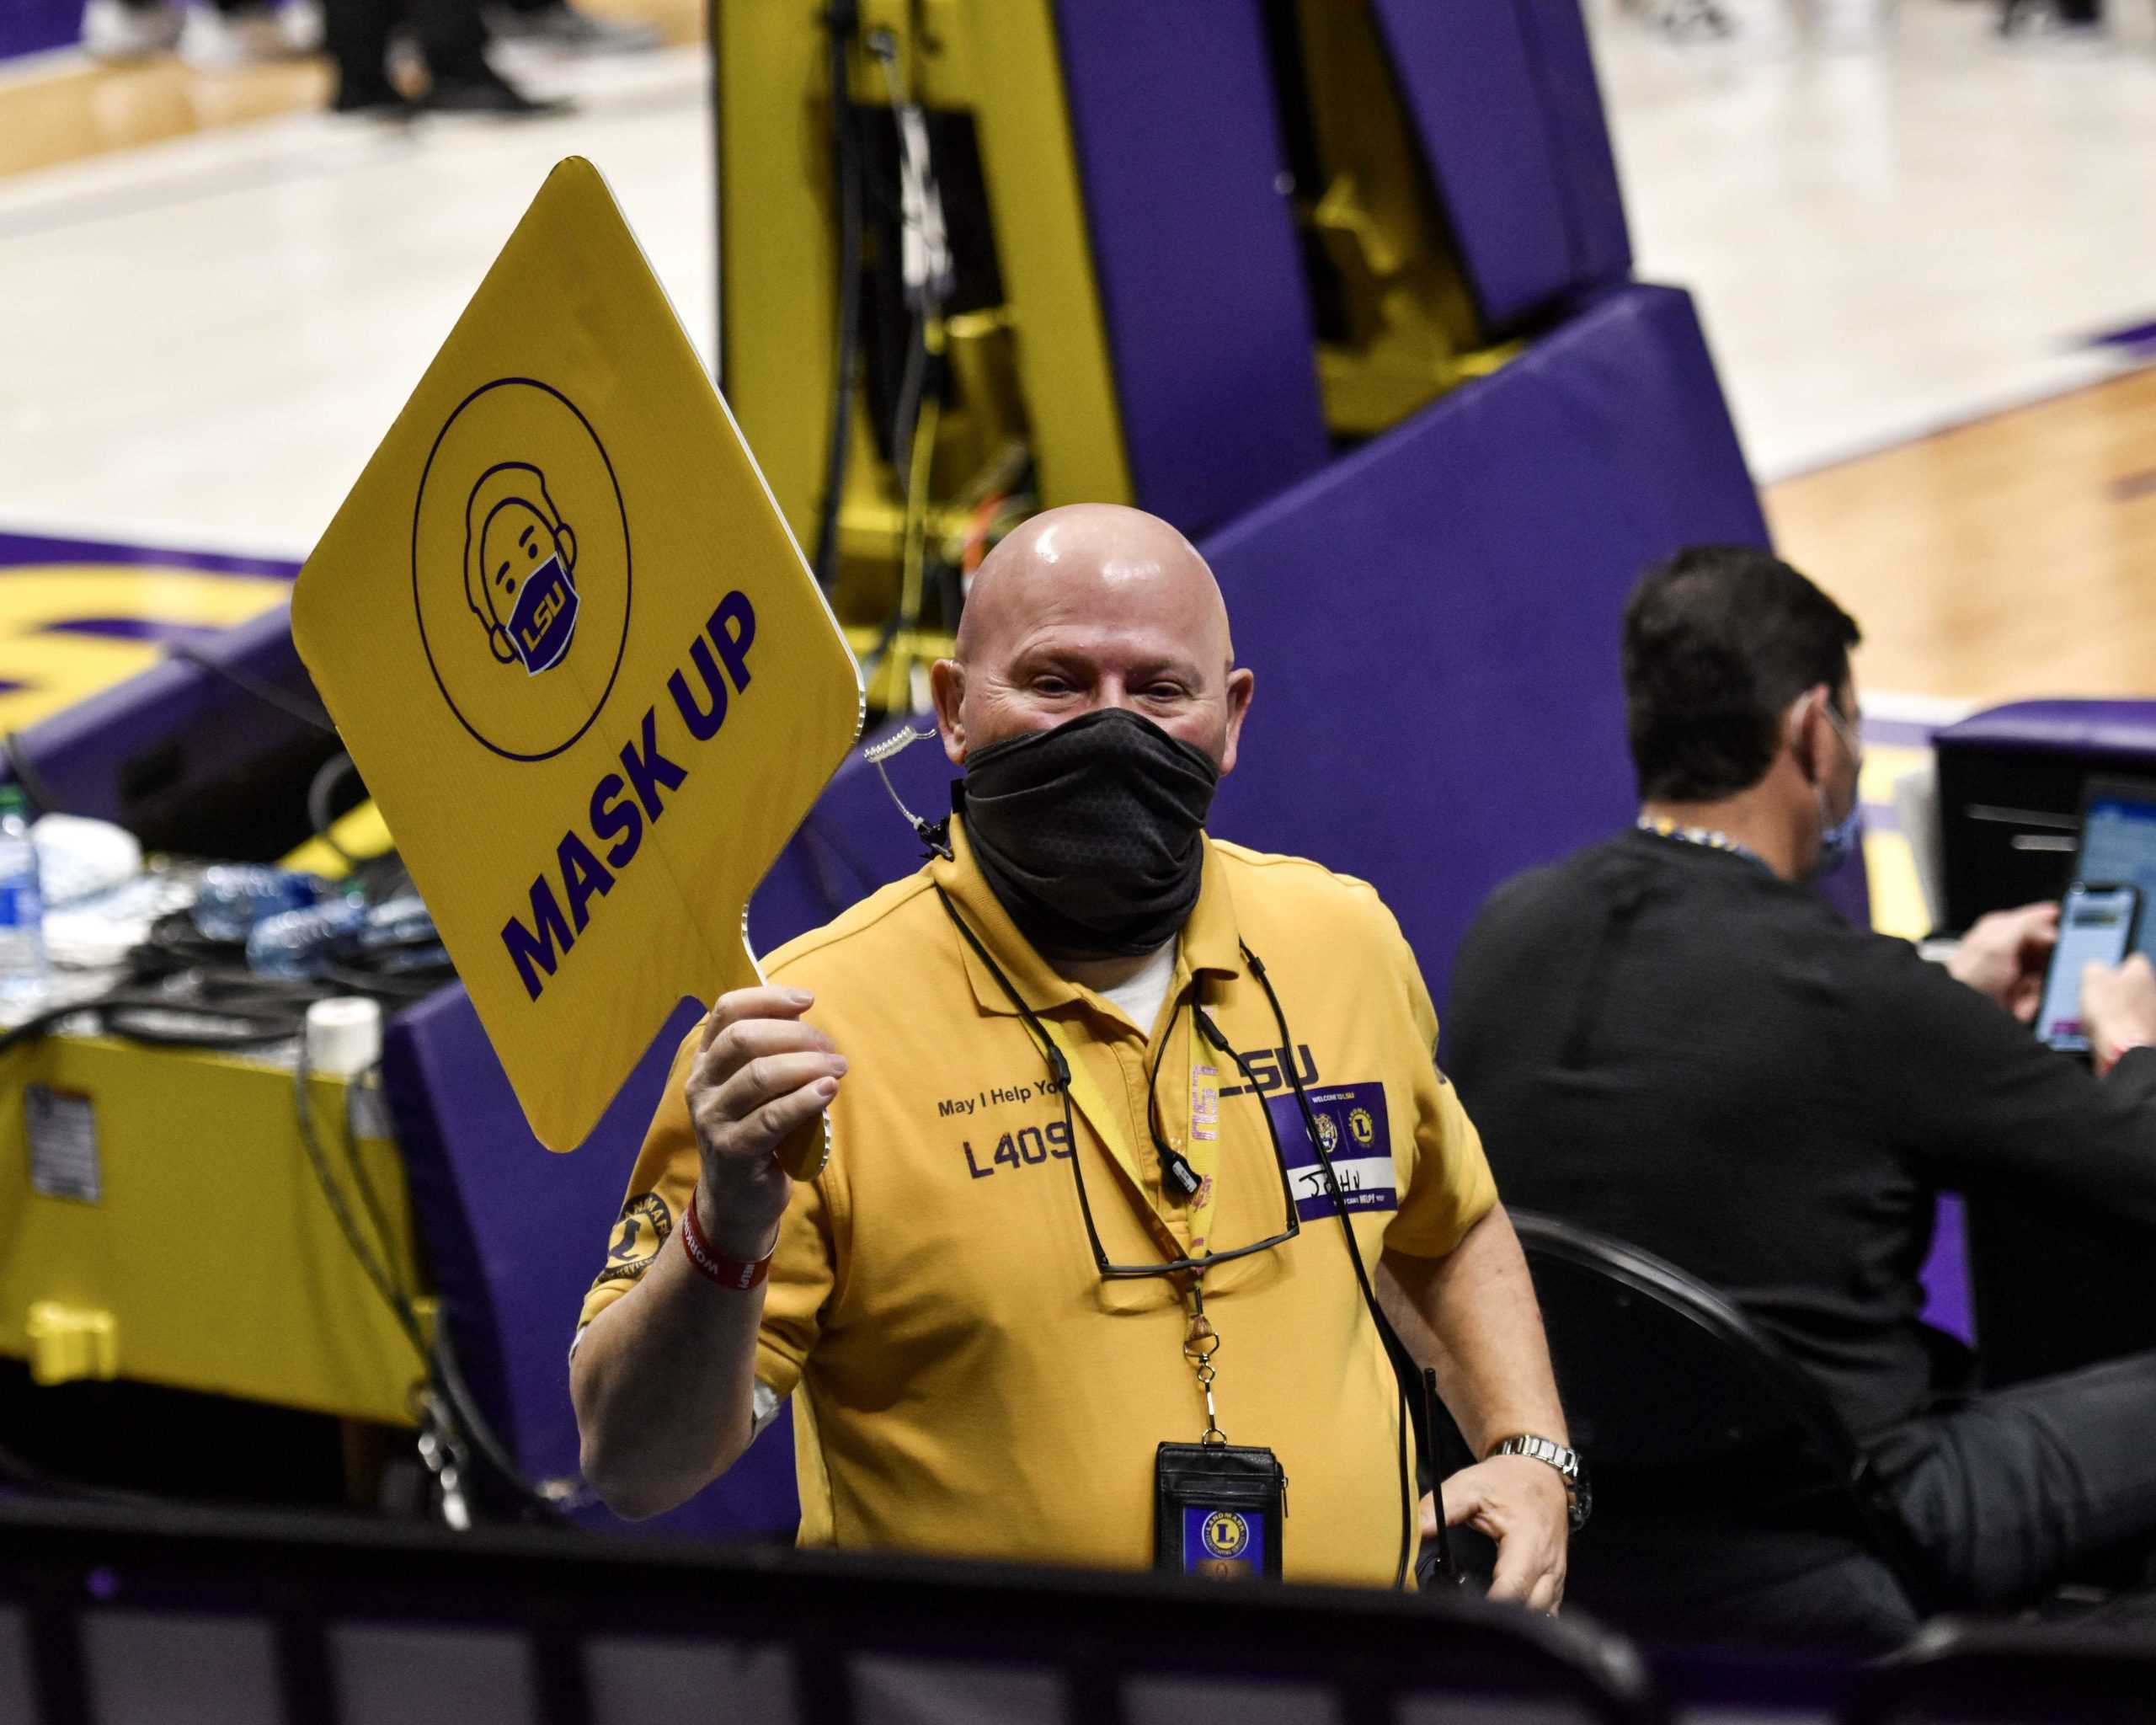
x: 578, y: 661
x: 763, y: 1074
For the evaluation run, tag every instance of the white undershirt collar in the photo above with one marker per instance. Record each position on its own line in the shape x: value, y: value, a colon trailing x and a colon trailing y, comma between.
x: 1139, y: 999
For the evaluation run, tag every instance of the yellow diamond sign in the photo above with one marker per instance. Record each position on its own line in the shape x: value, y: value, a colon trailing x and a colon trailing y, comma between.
x: 577, y: 658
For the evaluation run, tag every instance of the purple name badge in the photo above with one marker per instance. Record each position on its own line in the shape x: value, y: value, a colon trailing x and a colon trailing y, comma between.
x: 1357, y: 1134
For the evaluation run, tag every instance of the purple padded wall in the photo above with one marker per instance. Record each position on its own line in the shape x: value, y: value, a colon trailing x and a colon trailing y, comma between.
x: 1502, y: 98
x: 189, y: 760
x: 514, y: 1236
x: 1433, y: 620
x: 1578, y: 129
x: 83, y: 750
x: 31, y: 26
x: 1195, y: 252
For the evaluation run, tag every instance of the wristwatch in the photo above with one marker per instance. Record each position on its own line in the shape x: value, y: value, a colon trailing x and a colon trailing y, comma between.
x: 1579, y: 1494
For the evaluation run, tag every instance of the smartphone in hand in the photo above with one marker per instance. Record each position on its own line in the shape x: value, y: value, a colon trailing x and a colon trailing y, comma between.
x: 2096, y: 926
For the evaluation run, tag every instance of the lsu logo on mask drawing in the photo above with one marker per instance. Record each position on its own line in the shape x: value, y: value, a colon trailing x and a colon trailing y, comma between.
x: 522, y: 568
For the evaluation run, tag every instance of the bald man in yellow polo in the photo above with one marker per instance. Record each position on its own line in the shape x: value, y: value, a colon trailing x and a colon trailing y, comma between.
x: 1103, y: 1091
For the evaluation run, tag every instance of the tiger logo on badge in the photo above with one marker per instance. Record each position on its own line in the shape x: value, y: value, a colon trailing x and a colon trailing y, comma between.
x: 1361, y: 1128
x: 1226, y: 1534
x: 1328, y: 1135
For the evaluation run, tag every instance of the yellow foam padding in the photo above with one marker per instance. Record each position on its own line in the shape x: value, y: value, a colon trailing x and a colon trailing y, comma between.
x: 1883, y: 764
x: 1897, y: 897
x: 578, y: 659
x: 57, y: 670
x: 67, y: 1342
x: 210, y: 1249
x: 1008, y: 60
x: 360, y: 832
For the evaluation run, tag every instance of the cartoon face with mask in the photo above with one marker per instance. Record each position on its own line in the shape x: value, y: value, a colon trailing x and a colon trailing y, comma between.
x: 520, y: 563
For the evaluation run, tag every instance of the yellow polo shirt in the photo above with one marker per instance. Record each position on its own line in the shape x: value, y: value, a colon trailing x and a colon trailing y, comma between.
x: 964, y: 1380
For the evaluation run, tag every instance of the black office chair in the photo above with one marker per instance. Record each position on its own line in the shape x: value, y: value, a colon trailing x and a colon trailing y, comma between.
x: 1729, y: 1497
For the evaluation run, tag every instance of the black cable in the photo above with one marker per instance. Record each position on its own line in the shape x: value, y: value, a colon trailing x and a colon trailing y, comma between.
x: 843, y: 22
x: 375, y: 1270
x: 178, y: 971
x: 370, y: 1199
x: 120, y: 1012
x: 319, y: 789
x: 1385, y: 1335
x: 292, y: 705
x: 438, y: 1355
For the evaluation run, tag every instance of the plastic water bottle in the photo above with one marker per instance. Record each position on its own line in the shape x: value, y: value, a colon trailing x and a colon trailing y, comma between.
x: 234, y: 896
x: 25, y: 972
x: 398, y: 922
x: 299, y: 942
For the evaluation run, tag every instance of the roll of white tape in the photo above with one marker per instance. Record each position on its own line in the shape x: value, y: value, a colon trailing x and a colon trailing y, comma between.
x: 344, y: 1037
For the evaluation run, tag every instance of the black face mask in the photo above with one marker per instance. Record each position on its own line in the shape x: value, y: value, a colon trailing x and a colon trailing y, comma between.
x: 1092, y: 834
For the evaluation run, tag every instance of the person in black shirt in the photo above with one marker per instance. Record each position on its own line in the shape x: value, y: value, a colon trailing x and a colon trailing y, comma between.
x: 1670, y: 1039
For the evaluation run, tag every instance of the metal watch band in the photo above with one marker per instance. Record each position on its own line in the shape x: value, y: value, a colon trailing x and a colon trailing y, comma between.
x: 1579, y: 1500
x: 1565, y: 1461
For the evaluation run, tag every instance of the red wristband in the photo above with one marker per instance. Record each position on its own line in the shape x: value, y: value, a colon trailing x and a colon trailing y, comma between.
x: 739, y: 1274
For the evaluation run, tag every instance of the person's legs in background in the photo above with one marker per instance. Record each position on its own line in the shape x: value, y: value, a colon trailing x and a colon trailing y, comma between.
x: 453, y: 39
x: 2018, y: 1490
x: 127, y: 29
x: 452, y: 44
x: 212, y: 35
x: 227, y: 34
x: 2077, y: 18
x: 356, y: 34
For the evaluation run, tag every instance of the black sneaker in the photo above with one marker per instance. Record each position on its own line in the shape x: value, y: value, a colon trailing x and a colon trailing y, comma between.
x: 486, y: 91
x: 563, y: 27
x: 378, y: 99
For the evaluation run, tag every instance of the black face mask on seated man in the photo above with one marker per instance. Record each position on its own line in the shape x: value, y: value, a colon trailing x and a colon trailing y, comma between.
x: 1092, y: 833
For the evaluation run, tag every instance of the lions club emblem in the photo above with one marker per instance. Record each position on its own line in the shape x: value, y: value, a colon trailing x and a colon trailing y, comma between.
x: 1226, y: 1534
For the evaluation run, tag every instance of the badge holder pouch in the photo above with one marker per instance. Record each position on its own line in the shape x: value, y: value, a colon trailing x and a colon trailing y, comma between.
x: 1219, y: 1511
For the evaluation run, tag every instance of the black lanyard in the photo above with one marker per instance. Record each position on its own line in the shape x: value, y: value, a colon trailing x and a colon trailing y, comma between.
x: 1195, y: 1268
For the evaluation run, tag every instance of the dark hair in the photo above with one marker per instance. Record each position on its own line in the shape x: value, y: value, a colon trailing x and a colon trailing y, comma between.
x: 1718, y: 642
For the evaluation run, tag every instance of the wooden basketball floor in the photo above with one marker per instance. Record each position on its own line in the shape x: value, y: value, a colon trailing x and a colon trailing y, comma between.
x: 2011, y: 558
